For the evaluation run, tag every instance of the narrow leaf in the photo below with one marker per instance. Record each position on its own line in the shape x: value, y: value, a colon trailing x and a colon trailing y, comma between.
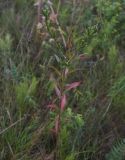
x: 66, y: 71
x: 72, y: 85
x: 58, y: 93
x: 63, y: 102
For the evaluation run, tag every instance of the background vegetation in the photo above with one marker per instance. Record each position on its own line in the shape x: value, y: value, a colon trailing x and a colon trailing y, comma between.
x: 62, y: 80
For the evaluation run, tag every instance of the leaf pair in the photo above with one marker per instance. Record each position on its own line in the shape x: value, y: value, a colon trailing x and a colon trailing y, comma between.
x: 68, y: 88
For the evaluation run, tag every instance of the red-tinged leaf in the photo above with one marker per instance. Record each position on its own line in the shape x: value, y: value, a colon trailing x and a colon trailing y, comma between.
x: 58, y: 93
x: 72, y: 85
x: 63, y: 102
x: 51, y: 106
x: 83, y: 57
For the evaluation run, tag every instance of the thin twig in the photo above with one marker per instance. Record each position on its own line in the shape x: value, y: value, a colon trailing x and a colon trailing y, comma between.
x: 107, y: 109
x: 12, y: 125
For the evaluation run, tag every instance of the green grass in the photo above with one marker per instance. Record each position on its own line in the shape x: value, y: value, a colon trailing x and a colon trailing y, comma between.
x: 62, y: 80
